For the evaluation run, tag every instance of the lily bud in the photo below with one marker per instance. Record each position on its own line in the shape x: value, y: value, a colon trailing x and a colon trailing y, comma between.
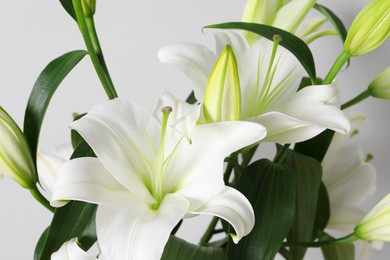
x: 15, y: 157
x: 222, y: 98
x: 89, y: 7
x: 370, y: 28
x: 380, y: 86
x: 376, y: 224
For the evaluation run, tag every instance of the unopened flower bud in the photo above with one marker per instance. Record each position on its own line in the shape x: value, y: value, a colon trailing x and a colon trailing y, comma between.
x: 89, y: 7
x: 370, y: 28
x: 222, y: 98
x: 376, y: 224
x: 15, y: 158
x: 380, y: 86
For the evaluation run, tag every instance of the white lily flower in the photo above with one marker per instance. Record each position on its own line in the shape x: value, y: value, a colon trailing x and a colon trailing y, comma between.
x: 147, y: 175
x: 71, y: 251
x: 268, y: 82
x: 349, y: 179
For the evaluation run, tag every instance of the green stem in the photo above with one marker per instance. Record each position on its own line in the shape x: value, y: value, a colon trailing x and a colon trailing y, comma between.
x: 39, y: 197
x: 338, y: 64
x: 209, y: 232
x: 81, y: 20
x: 340, y: 241
x: 282, y: 154
x: 247, y: 155
x: 98, y: 50
x: 362, y: 96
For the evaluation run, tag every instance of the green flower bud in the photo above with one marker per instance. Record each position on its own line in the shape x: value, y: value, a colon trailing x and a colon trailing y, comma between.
x: 370, y: 28
x: 222, y: 98
x: 380, y: 86
x: 376, y: 224
x: 15, y: 158
x: 89, y: 7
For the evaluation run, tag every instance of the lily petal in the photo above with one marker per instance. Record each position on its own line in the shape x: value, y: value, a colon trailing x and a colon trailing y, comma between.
x: 183, y: 116
x: 71, y: 251
x: 202, y: 161
x: 132, y: 135
x: 127, y: 228
x: 234, y: 207
x: 83, y: 179
x: 344, y: 216
x: 195, y: 61
x: 290, y: 15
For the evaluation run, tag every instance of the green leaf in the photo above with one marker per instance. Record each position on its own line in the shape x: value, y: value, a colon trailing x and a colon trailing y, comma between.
x: 309, y: 174
x: 334, y: 19
x: 317, y: 146
x: 75, y: 219
x: 42, y: 92
x: 338, y: 252
x: 68, y: 6
x: 191, y: 98
x: 74, y: 135
x: 289, y: 41
x: 323, y: 211
x: 271, y: 189
x: 179, y: 249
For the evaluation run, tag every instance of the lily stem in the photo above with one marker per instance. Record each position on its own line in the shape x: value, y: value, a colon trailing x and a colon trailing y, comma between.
x: 340, y: 241
x: 362, y: 96
x: 41, y: 199
x: 209, y: 232
x: 279, y: 158
x: 338, y: 64
x: 92, y: 43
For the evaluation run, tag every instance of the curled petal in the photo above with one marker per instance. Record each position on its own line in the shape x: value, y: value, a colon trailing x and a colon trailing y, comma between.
x: 127, y: 228
x: 71, y: 251
x: 234, y: 207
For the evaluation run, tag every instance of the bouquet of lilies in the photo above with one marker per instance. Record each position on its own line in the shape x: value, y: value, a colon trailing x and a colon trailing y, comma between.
x: 131, y: 176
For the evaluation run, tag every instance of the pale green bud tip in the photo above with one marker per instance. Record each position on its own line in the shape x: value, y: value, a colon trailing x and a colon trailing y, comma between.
x: 376, y: 224
x: 370, y: 28
x: 15, y: 158
x: 89, y: 7
x: 222, y: 98
x: 380, y: 86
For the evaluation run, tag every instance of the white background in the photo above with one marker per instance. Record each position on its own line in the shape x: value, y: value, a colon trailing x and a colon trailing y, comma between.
x: 32, y: 33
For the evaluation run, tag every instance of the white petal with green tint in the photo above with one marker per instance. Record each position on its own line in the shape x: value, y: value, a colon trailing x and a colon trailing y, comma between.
x: 127, y: 228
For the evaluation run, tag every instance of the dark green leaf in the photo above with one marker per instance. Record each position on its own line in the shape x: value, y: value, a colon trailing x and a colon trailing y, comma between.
x: 289, y: 41
x: 191, y: 98
x: 323, y: 211
x: 42, y: 92
x: 339, y: 252
x: 74, y: 135
x: 305, y: 82
x: 41, y: 243
x: 309, y: 174
x: 333, y: 18
x: 178, y: 249
x: 317, y: 146
x: 271, y: 189
x: 69, y: 221
x: 68, y: 6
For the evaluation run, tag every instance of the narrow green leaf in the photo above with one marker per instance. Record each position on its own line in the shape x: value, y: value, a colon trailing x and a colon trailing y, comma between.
x: 334, y: 19
x: 68, y: 6
x: 323, y: 211
x: 42, y: 92
x: 191, y: 98
x: 271, y: 189
x: 178, y: 249
x: 317, y: 146
x: 339, y: 252
x: 309, y: 174
x: 75, y: 219
x: 74, y: 135
x: 289, y: 41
